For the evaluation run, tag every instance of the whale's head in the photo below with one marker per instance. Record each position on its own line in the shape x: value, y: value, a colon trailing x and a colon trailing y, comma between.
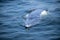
x: 35, y: 19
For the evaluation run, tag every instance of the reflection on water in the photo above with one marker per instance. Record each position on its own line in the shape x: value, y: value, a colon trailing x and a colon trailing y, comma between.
x: 11, y: 12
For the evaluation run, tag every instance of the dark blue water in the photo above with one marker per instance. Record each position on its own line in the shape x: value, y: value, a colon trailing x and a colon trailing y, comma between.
x: 11, y: 12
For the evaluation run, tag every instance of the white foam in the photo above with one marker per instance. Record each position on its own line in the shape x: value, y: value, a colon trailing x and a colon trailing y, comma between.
x: 44, y: 13
x: 27, y: 25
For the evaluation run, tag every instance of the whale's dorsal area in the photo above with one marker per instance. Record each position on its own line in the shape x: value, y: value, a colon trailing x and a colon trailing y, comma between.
x: 33, y: 18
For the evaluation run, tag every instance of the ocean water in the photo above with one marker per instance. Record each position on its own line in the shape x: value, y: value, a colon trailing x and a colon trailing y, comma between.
x: 11, y: 20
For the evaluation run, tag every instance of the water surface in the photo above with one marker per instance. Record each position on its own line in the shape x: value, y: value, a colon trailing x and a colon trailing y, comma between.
x: 11, y: 12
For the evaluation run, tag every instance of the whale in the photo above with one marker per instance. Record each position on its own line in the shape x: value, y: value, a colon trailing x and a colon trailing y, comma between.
x: 34, y: 17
